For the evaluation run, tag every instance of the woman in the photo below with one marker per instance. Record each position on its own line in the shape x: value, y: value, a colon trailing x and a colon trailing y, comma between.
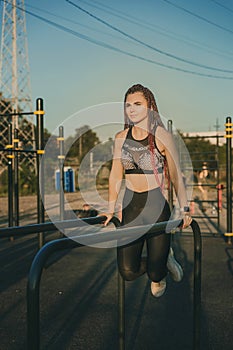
x: 142, y: 151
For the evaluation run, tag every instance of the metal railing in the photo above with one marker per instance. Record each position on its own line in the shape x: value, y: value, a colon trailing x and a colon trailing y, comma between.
x: 121, y: 235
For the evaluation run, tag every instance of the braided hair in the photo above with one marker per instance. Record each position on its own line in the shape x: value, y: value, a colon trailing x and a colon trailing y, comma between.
x: 154, y: 120
x: 154, y: 117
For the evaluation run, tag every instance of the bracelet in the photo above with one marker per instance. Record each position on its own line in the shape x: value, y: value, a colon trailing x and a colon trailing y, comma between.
x: 185, y: 210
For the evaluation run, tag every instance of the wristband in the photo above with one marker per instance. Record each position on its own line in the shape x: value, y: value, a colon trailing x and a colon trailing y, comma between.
x: 185, y: 210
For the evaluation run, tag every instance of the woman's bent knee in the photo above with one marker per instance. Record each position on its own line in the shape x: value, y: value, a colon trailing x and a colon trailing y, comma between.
x: 128, y: 275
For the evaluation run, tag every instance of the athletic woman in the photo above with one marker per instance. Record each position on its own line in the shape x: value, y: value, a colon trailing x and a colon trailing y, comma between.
x: 142, y: 153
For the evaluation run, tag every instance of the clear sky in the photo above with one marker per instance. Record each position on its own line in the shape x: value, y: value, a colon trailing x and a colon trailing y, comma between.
x: 72, y: 73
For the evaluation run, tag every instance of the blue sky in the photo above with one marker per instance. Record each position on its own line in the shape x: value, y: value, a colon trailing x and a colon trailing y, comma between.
x: 72, y: 74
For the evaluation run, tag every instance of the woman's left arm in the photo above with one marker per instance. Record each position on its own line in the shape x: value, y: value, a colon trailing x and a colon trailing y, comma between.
x: 167, y: 147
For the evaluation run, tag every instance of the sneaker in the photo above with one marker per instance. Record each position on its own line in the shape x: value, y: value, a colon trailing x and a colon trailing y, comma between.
x: 174, y: 267
x: 158, y: 288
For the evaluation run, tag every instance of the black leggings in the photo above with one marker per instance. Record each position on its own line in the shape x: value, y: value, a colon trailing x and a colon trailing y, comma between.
x: 141, y: 208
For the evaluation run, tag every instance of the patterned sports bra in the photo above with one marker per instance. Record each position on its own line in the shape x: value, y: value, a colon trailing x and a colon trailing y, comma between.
x: 136, y: 156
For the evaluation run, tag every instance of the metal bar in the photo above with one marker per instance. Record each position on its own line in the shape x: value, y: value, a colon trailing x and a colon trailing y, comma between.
x: 33, y: 307
x: 197, y: 285
x: 203, y: 137
x: 16, y: 113
x: 121, y: 301
x: 40, y: 170
x: 16, y: 178
x: 170, y: 188
x: 229, y: 178
x: 121, y: 312
x: 205, y: 201
x: 218, y: 189
x: 204, y: 217
x: 61, y: 170
x: 18, y: 150
x: 48, y: 226
x: 10, y: 178
x: 206, y: 185
x: 201, y: 159
x: 33, y: 289
x: 60, y: 225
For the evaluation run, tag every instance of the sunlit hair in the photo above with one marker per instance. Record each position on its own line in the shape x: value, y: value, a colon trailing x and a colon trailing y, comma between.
x: 154, y: 120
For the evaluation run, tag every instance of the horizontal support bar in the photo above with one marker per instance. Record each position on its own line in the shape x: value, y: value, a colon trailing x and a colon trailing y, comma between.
x: 49, y: 226
x: 18, y: 150
x: 204, y: 201
x: 122, y: 233
x: 15, y: 113
x: 202, y: 184
x: 203, y: 217
x: 203, y: 137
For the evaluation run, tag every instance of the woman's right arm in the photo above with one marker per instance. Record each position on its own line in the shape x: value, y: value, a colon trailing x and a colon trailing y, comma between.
x: 116, y: 175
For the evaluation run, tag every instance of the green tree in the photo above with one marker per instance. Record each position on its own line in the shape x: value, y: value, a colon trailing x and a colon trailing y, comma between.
x: 200, y: 151
x: 103, y: 151
x: 84, y: 140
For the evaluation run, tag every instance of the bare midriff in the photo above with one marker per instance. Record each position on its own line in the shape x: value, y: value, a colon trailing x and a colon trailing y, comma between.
x: 142, y: 182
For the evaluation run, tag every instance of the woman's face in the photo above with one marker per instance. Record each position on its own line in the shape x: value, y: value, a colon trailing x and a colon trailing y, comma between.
x: 136, y: 107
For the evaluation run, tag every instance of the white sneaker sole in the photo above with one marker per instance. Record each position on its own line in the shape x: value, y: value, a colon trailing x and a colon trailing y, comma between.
x: 158, y: 290
x: 174, y: 268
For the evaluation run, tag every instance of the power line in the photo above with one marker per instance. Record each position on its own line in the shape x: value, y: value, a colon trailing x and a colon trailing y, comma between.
x: 155, y: 28
x: 110, y: 47
x: 72, y: 21
x: 180, y: 59
x: 225, y: 7
x: 133, y: 20
x: 199, y: 17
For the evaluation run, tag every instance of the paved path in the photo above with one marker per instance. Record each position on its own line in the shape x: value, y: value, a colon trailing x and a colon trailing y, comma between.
x: 79, y: 298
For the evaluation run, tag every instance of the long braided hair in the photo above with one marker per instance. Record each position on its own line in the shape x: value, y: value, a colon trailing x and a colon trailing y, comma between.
x: 154, y: 120
x: 154, y: 117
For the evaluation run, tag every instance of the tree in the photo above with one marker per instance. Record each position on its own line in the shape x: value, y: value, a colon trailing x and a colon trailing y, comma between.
x: 200, y: 151
x: 84, y: 140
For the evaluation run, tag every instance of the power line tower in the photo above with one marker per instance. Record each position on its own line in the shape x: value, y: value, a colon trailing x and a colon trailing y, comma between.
x: 15, y: 89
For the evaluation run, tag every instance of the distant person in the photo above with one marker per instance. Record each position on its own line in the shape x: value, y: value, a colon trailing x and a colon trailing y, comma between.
x: 142, y: 151
x: 202, y: 180
x: 87, y: 211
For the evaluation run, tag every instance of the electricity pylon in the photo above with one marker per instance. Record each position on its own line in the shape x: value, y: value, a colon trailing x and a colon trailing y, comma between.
x: 15, y: 89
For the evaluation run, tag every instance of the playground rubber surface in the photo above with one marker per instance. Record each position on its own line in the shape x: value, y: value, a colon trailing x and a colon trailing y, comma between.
x: 79, y: 305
